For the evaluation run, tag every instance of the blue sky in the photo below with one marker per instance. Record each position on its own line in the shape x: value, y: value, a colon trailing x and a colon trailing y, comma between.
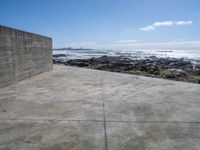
x: 107, y: 23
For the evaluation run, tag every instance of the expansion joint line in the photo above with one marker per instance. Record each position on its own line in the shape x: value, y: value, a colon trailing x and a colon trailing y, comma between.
x: 102, y: 121
x: 105, y: 130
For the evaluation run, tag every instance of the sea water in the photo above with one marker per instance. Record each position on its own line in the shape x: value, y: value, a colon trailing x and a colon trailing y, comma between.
x: 193, y: 55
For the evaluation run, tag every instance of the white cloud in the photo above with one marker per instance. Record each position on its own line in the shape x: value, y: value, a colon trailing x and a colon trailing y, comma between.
x: 148, y: 28
x: 127, y: 41
x: 181, y: 40
x: 183, y: 22
x: 165, y: 24
x: 179, y: 44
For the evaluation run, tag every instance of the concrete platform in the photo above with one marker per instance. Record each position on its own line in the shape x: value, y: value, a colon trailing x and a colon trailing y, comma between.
x: 72, y: 108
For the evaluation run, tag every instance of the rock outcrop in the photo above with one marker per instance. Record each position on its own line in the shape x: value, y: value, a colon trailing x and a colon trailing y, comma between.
x: 168, y: 68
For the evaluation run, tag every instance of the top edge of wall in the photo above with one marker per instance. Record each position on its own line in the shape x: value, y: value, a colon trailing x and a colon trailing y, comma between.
x: 3, y: 26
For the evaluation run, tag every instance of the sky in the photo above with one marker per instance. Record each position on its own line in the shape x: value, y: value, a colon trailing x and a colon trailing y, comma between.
x: 113, y: 24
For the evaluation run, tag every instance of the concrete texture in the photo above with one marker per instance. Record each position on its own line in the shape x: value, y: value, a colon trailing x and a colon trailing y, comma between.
x: 72, y: 108
x: 22, y: 55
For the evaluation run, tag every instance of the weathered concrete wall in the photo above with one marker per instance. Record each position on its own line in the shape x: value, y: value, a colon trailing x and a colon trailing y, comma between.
x: 22, y: 55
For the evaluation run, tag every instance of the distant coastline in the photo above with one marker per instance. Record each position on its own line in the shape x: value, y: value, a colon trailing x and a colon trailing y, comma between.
x: 70, y: 48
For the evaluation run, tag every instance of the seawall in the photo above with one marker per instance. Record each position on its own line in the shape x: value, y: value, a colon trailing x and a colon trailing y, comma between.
x: 22, y: 55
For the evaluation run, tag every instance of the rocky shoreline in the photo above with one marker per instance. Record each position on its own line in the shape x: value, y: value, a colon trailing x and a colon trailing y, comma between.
x: 167, y: 68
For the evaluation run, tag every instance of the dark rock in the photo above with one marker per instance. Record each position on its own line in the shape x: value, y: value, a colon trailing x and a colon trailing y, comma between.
x: 59, y: 55
x: 173, y: 73
x: 170, y: 68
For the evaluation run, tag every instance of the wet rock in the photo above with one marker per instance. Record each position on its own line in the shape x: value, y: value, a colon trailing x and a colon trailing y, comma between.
x: 173, y: 73
x: 169, y: 68
x: 78, y: 62
x: 59, y: 55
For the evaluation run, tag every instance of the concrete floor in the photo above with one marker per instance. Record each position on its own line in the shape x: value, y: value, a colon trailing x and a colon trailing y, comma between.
x: 80, y: 109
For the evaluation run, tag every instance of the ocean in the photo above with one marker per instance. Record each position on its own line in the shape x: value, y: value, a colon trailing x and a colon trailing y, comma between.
x: 192, y: 55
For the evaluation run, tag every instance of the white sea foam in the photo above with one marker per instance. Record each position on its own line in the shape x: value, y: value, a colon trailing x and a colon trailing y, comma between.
x: 140, y: 54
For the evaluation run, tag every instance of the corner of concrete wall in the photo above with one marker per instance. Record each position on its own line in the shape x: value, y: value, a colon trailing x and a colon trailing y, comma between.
x: 22, y: 55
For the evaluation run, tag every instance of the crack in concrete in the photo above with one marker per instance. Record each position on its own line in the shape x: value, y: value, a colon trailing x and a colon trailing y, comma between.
x: 101, y: 121
x: 105, y: 131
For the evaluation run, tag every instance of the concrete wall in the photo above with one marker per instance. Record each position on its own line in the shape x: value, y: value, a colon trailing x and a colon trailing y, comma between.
x: 22, y: 55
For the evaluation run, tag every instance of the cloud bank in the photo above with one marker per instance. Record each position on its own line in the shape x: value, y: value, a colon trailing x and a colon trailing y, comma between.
x: 127, y: 41
x: 180, y: 44
x: 165, y: 24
